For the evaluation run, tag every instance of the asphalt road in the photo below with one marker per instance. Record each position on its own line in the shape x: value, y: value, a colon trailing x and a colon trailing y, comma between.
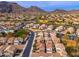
x: 27, y: 50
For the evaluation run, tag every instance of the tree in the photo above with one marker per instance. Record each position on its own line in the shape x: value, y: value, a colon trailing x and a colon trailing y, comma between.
x: 7, y: 18
x: 21, y: 33
x: 10, y: 34
x: 70, y: 50
x: 34, y: 47
x: 3, y: 34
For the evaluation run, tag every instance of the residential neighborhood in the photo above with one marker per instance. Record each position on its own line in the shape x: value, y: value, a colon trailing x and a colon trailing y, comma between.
x: 33, y: 32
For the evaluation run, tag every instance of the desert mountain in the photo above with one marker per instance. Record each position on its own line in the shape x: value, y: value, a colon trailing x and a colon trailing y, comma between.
x: 11, y: 7
x: 16, y: 8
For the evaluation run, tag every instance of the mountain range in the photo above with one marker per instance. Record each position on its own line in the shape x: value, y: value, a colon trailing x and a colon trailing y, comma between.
x: 11, y: 7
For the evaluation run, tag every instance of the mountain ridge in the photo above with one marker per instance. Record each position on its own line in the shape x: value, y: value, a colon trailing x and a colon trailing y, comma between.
x: 12, y: 7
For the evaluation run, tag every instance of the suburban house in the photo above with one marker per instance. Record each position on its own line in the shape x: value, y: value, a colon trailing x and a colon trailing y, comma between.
x: 10, y: 51
x: 16, y: 41
x: 3, y: 40
x: 10, y: 40
x: 49, y: 46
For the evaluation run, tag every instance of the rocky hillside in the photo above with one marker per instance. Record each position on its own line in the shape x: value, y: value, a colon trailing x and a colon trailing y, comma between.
x: 15, y: 8
x: 11, y: 7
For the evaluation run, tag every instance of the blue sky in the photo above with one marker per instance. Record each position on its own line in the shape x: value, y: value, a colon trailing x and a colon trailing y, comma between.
x: 51, y: 5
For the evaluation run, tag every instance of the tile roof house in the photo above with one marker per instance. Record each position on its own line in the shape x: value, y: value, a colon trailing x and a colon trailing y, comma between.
x: 3, y: 40
x: 10, y: 40
x: 2, y: 47
x: 42, y: 48
x: 16, y: 41
x: 77, y: 32
x: 49, y: 46
x: 61, y: 49
x: 19, y: 47
x: 10, y: 51
x: 71, y: 29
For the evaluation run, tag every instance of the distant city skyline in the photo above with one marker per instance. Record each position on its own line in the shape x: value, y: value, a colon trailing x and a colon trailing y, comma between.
x: 51, y: 5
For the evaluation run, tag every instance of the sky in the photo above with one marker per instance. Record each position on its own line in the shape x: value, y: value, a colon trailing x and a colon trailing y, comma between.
x: 51, y: 5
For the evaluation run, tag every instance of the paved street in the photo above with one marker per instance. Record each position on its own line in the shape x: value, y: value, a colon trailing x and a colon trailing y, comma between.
x: 28, y: 47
